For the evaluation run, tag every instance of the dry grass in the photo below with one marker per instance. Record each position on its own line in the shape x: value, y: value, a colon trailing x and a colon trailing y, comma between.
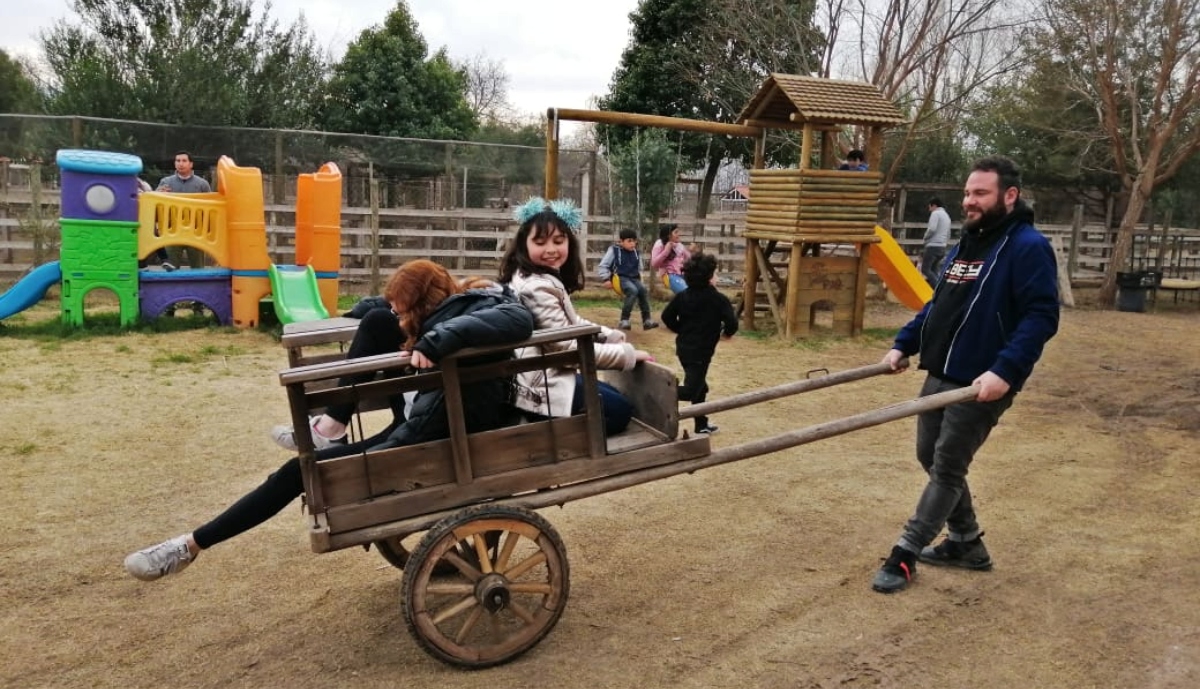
x: 753, y: 574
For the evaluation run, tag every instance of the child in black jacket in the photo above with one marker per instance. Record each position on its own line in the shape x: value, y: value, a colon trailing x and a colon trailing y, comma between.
x: 700, y: 316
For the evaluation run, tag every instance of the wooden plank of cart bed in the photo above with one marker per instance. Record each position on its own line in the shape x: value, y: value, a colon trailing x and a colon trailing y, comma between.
x: 388, y: 508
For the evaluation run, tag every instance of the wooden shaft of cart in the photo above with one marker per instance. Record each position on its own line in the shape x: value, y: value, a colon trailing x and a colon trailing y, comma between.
x: 794, y: 388
x: 562, y: 495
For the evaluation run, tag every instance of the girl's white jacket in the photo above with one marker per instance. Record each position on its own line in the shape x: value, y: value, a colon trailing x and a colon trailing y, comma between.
x: 550, y: 392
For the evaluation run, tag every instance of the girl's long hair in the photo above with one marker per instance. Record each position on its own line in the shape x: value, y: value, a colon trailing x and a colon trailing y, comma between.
x: 415, y: 290
x: 665, y: 238
x: 540, y: 226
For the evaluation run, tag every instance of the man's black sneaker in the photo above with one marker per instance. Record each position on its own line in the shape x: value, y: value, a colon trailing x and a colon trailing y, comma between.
x: 965, y: 554
x: 896, y: 572
x: 707, y: 430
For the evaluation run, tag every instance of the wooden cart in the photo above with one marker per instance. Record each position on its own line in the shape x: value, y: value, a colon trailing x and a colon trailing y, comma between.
x: 485, y: 576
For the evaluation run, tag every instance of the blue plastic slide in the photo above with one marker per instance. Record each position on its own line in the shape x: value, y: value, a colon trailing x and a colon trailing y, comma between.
x: 30, y: 289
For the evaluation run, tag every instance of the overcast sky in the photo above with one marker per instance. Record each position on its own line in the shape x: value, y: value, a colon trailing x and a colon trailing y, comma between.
x: 558, y: 53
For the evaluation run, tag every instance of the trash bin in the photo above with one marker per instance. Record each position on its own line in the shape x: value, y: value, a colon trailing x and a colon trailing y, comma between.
x: 1131, y: 294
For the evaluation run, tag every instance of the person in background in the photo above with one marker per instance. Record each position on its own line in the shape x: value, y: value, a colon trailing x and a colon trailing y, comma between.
x: 991, y: 315
x: 623, y: 260
x: 543, y: 266
x: 668, y: 256
x: 700, y: 316
x: 855, y: 161
x: 441, y: 318
x: 937, y: 236
x: 184, y: 182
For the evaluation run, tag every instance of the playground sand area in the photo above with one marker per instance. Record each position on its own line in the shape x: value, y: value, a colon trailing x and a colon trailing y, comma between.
x: 752, y: 574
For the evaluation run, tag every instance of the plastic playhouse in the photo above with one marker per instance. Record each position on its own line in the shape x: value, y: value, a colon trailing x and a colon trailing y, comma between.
x: 108, y: 225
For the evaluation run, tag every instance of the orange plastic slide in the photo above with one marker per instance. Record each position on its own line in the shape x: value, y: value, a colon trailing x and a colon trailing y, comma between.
x: 897, y: 271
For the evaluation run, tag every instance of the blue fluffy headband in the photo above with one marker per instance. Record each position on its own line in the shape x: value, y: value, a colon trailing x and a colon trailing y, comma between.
x: 565, y: 209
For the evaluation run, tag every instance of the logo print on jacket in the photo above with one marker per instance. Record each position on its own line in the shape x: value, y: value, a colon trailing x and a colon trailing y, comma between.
x: 964, y: 271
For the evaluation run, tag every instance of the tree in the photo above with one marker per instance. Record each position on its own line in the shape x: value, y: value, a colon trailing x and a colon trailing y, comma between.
x: 645, y: 168
x: 487, y: 88
x: 1138, y: 63
x: 683, y: 61
x: 208, y: 62
x: 932, y: 58
x: 386, y: 85
x: 17, y: 91
x: 1051, y: 131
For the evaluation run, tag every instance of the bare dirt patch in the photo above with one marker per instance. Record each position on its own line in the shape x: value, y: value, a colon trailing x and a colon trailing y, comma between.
x: 753, y: 574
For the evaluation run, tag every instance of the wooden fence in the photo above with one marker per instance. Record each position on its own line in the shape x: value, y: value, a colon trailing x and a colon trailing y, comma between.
x: 471, y: 241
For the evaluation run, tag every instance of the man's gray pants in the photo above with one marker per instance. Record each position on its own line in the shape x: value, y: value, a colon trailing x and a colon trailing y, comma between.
x: 947, y: 440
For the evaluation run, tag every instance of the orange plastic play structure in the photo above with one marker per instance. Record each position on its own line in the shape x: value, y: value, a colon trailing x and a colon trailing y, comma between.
x: 229, y: 225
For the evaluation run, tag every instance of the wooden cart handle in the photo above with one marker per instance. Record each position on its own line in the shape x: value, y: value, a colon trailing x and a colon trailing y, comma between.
x: 773, y: 393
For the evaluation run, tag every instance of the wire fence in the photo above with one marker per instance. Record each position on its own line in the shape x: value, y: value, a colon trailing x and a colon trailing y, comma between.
x: 411, y: 173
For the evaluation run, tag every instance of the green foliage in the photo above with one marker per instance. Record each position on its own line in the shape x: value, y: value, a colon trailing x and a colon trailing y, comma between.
x: 385, y: 85
x: 1052, y: 131
x: 17, y: 91
x: 200, y: 62
x: 645, y: 168
x: 698, y: 59
x: 937, y: 156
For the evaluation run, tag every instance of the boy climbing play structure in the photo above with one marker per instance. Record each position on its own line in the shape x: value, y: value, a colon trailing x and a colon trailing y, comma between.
x: 108, y: 225
x: 796, y: 211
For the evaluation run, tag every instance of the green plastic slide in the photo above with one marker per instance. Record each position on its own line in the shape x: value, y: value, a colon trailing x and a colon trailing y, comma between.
x: 295, y: 294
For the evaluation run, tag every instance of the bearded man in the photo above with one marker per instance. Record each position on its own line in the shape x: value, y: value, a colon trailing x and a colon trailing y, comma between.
x: 992, y: 313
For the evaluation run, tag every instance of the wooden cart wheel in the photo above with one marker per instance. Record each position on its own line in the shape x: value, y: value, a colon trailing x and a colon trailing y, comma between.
x: 499, y: 603
x: 397, y: 550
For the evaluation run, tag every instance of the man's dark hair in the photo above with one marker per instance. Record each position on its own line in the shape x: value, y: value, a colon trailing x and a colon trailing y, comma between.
x: 1005, y: 169
x: 627, y: 233
x: 855, y: 155
x: 935, y: 201
x: 184, y: 153
x: 698, y: 270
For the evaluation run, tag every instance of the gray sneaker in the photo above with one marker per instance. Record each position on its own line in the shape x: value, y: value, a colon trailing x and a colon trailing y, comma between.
x: 964, y: 554
x: 285, y: 437
x: 625, y: 325
x: 155, y: 562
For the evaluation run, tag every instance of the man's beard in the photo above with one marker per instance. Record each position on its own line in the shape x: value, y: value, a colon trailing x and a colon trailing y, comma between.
x: 987, y: 219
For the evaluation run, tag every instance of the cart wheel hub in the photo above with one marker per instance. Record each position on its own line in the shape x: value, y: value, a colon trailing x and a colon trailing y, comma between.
x: 492, y: 592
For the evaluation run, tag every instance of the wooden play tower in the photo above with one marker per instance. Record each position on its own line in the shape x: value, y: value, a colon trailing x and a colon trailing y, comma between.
x: 795, y: 211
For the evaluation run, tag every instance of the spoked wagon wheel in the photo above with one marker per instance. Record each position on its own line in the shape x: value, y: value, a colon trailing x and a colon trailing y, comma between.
x: 498, y: 603
x: 397, y: 550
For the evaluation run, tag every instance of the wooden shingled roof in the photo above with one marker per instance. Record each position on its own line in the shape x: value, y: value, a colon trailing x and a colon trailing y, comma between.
x: 820, y: 101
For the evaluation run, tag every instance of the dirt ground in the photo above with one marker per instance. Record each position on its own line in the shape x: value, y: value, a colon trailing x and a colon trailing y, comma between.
x: 753, y: 574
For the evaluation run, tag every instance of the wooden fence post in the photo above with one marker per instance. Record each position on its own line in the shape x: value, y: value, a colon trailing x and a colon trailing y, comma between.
x: 277, y: 181
x: 373, y: 193
x: 1076, y: 235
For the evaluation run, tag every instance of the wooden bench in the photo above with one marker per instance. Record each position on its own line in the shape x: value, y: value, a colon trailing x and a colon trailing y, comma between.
x: 1178, y: 285
x: 358, y: 499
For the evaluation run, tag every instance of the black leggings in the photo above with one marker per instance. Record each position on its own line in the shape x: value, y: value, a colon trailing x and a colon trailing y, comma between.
x: 695, y: 386
x: 275, y: 493
x: 378, y: 333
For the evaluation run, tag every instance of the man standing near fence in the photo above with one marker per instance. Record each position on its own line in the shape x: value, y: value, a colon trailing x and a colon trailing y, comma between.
x: 937, y: 236
x: 184, y: 182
